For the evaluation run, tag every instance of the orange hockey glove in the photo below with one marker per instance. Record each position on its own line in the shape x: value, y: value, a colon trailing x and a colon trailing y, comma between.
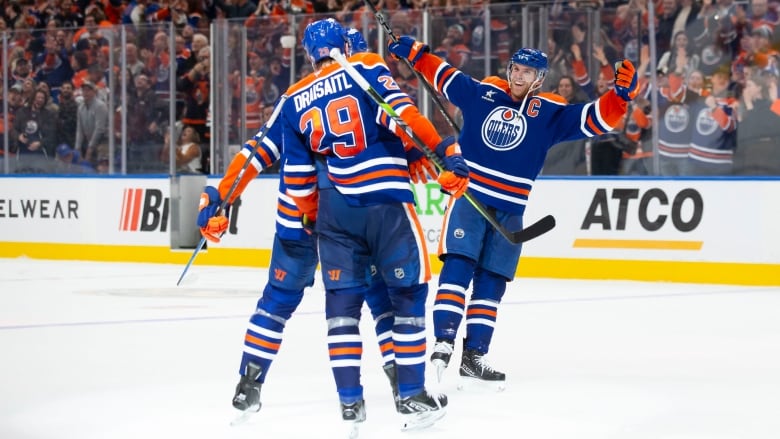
x: 626, y: 80
x: 455, y: 179
x: 420, y: 168
x: 212, y: 225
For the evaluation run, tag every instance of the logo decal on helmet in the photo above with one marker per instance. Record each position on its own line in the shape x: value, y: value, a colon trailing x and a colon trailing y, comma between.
x: 322, y: 36
x: 536, y: 59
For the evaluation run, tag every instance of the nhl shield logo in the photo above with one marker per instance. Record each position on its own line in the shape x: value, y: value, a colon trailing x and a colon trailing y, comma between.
x: 399, y: 273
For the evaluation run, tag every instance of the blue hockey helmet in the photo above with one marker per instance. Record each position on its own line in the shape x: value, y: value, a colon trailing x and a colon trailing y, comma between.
x: 321, y: 36
x: 356, y: 41
x: 533, y: 58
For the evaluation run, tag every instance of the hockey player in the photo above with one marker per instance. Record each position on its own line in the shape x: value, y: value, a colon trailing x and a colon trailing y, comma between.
x: 291, y: 270
x: 361, y: 205
x: 507, y: 130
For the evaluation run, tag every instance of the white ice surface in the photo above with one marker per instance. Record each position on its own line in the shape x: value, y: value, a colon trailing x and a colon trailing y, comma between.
x: 108, y: 350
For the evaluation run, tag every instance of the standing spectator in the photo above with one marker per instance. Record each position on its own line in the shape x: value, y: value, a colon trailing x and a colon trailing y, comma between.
x: 20, y: 71
x: 687, y: 13
x: 28, y: 90
x: 696, y: 83
x: 236, y: 8
x: 453, y: 48
x: 158, y: 68
x: 34, y: 126
x: 92, y: 128
x: 758, y: 128
x: 712, y: 132
x: 50, y: 104
x: 183, y: 54
x: 55, y: 68
x: 195, y: 86
x: 15, y: 103
x: 679, y: 55
x: 199, y: 42
x: 760, y: 14
x: 675, y: 124
x: 144, y: 118
x: 667, y: 16
x: 69, y: 15
x: 507, y: 131
x: 67, y: 115
x: 133, y: 63
x: 253, y: 86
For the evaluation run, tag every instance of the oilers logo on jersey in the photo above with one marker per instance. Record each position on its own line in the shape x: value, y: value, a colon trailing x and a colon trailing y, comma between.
x: 677, y: 118
x: 705, y: 124
x: 503, y: 129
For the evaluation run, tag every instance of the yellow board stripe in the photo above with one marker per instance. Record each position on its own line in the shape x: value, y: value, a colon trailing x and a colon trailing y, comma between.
x: 641, y: 244
x: 559, y: 268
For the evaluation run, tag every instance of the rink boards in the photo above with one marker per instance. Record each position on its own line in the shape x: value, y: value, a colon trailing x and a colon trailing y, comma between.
x: 683, y: 230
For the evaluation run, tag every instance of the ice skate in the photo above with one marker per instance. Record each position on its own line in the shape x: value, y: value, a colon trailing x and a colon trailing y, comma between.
x: 474, y: 369
x: 247, y: 397
x: 422, y: 410
x: 353, y: 415
x: 440, y: 358
x: 392, y: 375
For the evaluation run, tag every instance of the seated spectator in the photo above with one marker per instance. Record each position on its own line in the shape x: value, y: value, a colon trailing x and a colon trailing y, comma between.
x: 188, y: 153
x: 69, y: 161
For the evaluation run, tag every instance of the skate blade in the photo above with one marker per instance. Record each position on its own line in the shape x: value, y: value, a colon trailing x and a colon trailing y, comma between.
x: 353, y: 429
x: 245, y: 416
x: 469, y: 383
x: 419, y: 421
x: 440, y: 366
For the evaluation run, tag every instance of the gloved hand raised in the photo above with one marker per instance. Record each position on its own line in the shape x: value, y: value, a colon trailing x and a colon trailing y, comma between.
x: 455, y: 178
x: 626, y: 80
x: 409, y: 48
x: 212, y: 226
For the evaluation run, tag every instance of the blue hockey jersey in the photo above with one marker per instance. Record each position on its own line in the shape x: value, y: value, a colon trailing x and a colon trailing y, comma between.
x: 288, y: 217
x: 505, y: 145
x: 328, y: 114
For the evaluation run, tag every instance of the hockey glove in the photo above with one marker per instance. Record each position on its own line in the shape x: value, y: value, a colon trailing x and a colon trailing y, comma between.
x: 420, y: 168
x: 455, y: 178
x: 626, y: 80
x: 407, y: 47
x: 212, y: 226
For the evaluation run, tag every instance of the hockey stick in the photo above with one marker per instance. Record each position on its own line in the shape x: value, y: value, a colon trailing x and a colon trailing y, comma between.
x: 223, y: 205
x: 538, y: 228
x: 431, y: 91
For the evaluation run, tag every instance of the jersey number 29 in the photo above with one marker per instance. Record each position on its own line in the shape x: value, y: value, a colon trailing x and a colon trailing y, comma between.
x: 338, y: 127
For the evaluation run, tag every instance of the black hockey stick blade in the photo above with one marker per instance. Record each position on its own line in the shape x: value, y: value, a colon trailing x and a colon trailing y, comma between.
x: 535, y: 230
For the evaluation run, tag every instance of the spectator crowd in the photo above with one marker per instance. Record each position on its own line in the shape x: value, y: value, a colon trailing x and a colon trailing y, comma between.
x: 63, y: 102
